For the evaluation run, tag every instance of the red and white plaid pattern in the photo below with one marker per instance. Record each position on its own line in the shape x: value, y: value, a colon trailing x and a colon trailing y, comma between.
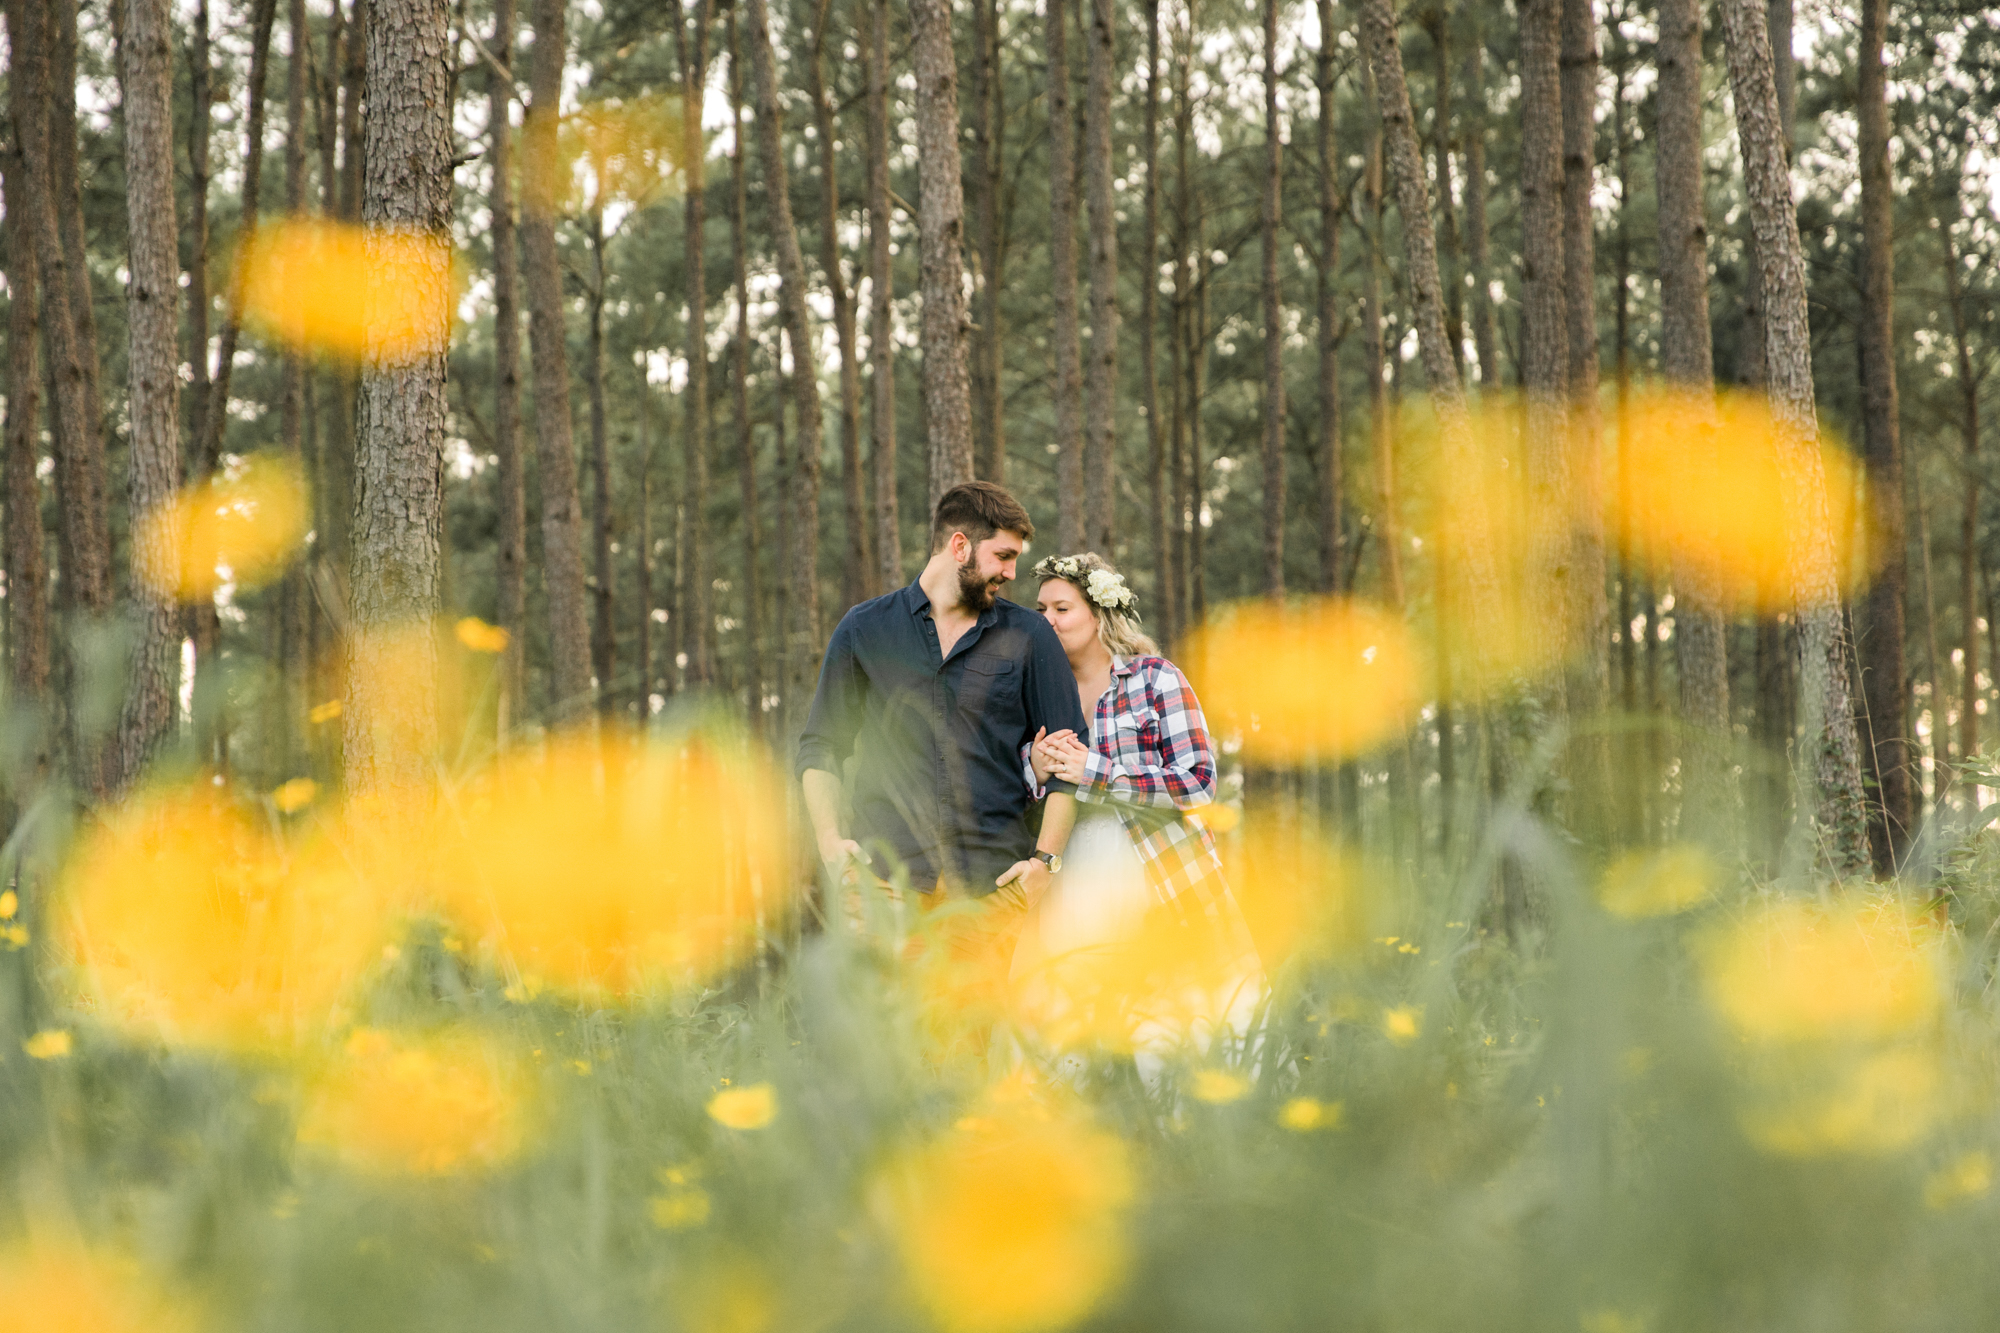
x: 1152, y: 761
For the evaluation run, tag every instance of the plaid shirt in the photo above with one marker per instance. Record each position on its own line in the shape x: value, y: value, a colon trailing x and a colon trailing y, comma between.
x: 1152, y: 761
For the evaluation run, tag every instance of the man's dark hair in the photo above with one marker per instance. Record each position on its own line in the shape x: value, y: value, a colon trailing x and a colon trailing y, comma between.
x: 978, y: 509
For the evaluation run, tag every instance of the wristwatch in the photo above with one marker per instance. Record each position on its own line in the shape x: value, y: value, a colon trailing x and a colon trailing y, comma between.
x: 1051, y: 860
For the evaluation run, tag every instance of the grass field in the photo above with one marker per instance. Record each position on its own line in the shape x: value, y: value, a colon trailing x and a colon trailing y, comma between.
x: 287, y: 1067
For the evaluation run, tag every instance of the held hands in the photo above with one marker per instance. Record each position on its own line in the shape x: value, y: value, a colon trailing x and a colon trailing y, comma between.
x: 843, y: 858
x: 1061, y: 755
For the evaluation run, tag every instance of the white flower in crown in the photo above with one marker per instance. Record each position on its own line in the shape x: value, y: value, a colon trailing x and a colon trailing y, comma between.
x: 1107, y: 588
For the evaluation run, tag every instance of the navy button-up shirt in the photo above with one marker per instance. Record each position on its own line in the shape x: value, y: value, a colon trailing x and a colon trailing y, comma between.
x: 937, y: 741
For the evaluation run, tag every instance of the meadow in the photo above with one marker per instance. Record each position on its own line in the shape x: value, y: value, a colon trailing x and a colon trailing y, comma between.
x: 288, y: 1064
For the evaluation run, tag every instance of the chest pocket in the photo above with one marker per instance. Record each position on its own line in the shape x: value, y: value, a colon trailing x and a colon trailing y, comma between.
x: 989, y: 684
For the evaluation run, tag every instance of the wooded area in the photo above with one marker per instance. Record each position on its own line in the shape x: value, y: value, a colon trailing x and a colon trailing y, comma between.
x: 1240, y: 298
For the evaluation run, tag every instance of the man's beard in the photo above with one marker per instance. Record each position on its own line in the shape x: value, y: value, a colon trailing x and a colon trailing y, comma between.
x: 975, y: 592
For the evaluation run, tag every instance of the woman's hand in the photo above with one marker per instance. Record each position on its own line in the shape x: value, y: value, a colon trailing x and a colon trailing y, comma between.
x: 1064, y: 755
x: 1036, y: 759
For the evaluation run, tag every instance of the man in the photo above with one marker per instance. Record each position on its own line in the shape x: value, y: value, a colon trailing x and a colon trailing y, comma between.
x: 934, y: 689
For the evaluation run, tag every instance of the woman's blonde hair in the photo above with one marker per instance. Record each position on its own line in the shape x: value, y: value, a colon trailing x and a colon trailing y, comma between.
x: 1117, y: 625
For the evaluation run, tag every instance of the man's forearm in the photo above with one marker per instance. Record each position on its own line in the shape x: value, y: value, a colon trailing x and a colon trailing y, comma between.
x: 822, y: 791
x: 1058, y: 818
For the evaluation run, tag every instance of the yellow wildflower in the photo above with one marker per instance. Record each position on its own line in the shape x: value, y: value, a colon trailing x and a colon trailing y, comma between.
x: 1305, y: 1114
x: 49, y: 1044
x: 1218, y: 1086
x: 752, y: 1107
x: 1966, y: 1177
x: 480, y: 637
x: 244, y: 528
x: 679, y: 1209
x: 1658, y: 883
x: 10, y: 903
x: 345, y: 290
x: 62, y: 1289
x: 437, y: 1106
x: 1800, y: 971
x: 325, y: 712
x: 1402, y: 1024
x: 295, y: 795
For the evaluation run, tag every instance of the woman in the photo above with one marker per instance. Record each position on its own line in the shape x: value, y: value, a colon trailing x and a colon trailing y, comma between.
x: 1137, y: 861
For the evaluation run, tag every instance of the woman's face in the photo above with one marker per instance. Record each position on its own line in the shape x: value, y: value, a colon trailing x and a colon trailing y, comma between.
x: 1062, y: 605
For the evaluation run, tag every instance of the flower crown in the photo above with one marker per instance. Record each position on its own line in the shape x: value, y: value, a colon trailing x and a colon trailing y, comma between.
x: 1104, y: 588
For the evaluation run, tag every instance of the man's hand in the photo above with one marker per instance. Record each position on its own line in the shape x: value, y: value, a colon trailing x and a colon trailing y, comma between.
x: 843, y: 858
x: 1030, y: 878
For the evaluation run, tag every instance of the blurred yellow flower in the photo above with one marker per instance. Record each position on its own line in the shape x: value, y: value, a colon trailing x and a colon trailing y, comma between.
x: 1217, y: 817
x: 1966, y: 1177
x: 325, y: 712
x: 1853, y: 970
x: 435, y: 1105
x: 1014, y: 1223
x: 679, y: 1209
x: 1722, y: 487
x: 1325, y: 678
x: 1658, y: 882
x: 628, y: 149
x: 345, y: 290
x: 1300, y: 895
x: 243, y: 527
x: 1402, y: 1024
x: 1219, y: 1086
x: 1866, y: 1103
x: 49, y: 1044
x: 295, y: 795
x: 183, y: 918
x: 1305, y: 1114
x: 613, y: 868
x: 733, y: 1295
x: 744, y: 1108
x: 480, y: 637
x: 10, y: 903
x: 65, y: 1289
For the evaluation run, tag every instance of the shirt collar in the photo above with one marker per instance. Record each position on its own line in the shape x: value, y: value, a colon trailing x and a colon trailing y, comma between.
x: 919, y: 603
x: 1124, y: 666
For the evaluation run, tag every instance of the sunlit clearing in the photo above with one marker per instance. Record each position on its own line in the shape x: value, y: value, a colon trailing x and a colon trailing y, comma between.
x: 1013, y: 1221
x: 1658, y: 882
x: 1302, y: 897
x: 1726, y: 493
x: 186, y: 920
x: 243, y: 529
x: 618, y: 868
x: 64, y: 1289
x: 627, y: 150
x: 1804, y: 971
x: 346, y: 291
x: 1327, y: 678
x: 424, y: 1105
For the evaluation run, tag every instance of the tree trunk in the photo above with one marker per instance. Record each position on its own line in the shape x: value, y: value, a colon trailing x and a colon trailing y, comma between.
x: 555, y: 450
x: 1968, y: 539
x: 390, y: 713
x: 1438, y: 24
x: 1892, y: 821
x: 1274, y: 322
x: 1708, y: 805
x: 857, y: 566
x: 26, y: 605
x: 603, y: 626
x: 1100, y: 385
x: 1825, y: 662
x: 340, y: 458
x: 510, y: 502
x: 1327, y: 428
x: 693, y: 49
x: 802, y: 523
x: 1381, y: 432
x: 67, y: 187
x: 746, y: 443
x: 941, y: 229
x: 1065, y: 337
x: 1933, y: 660
x: 1177, y: 616
x: 200, y: 99
x: 1157, y: 484
x: 881, y: 296
x: 1475, y: 210
x: 152, y: 367
x: 291, y: 590
x: 988, y: 135
x: 642, y: 562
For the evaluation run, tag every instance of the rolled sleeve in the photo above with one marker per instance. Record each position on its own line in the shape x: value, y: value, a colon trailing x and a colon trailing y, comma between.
x: 837, y: 706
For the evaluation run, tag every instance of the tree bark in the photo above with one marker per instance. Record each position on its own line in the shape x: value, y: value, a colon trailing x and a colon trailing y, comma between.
x: 642, y: 561
x: 1177, y: 616
x: 746, y: 443
x: 555, y: 450
x: 1100, y: 384
x: 1475, y: 210
x: 804, y: 644
x: 1893, y: 818
x: 1438, y: 24
x: 1157, y: 482
x: 1825, y: 661
x: 881, y: 296
x: 200, y: 99
x: 603, y: 625
x: 857, y: 566
x: 696, y: 442
x: 340, y: 458
x: 1330, y: 477
x: 27, y: 601
x: 510, y: 501
x: 68, y: 194
x: 390, y: 712
x: 989, y: 132
x: 1381, y: 433
x: 152, y: 367
x: 1065, y: 337
x: 1968, y: 425
x: 1273, y: 453
x: 293, y: 389
x: 941, y: 229
x: 1708, y: 803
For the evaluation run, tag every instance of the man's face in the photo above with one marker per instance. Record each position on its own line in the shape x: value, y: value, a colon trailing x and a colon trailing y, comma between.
x: 985, y: 567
